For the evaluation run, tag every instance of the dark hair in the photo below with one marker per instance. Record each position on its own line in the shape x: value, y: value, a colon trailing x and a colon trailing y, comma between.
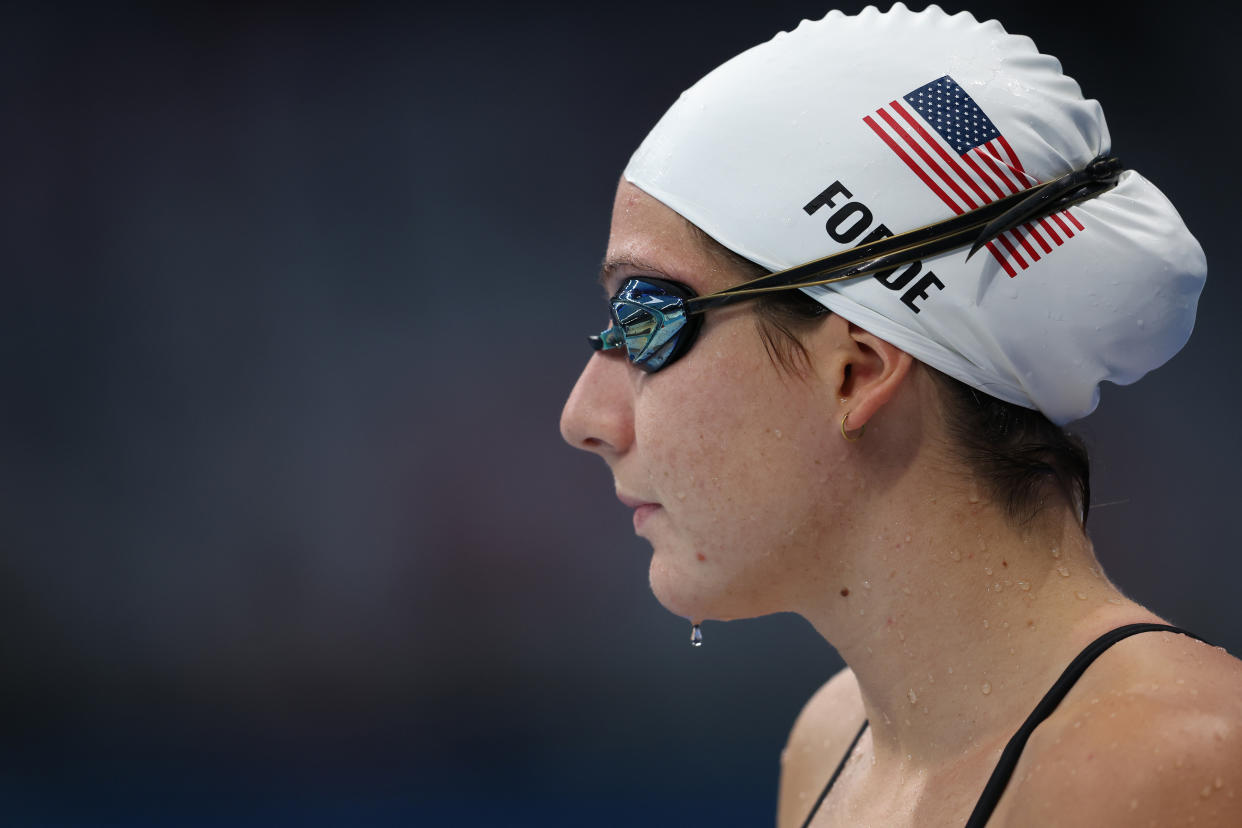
x: 1016, y: 453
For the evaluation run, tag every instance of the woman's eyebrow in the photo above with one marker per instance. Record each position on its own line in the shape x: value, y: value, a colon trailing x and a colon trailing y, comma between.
x: 612, y: 265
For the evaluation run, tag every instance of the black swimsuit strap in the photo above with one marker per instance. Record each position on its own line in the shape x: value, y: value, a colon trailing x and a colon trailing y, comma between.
x: 995, y: 787
x: 1013, y: 751
x: 835, y: 774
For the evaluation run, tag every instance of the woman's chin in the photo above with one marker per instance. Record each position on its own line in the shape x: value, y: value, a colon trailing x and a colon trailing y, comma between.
x: 691, y: 595
x: 676, y: 591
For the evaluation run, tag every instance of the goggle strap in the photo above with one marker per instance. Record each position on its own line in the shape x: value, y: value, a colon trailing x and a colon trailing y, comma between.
x: 976, y: 228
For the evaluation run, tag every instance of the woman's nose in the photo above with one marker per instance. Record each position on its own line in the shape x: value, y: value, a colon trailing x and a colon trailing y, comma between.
x: 599, y: 416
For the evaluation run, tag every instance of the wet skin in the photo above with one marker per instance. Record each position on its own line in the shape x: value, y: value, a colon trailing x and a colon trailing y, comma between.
x: 953, y: 620
x: 724, y: 458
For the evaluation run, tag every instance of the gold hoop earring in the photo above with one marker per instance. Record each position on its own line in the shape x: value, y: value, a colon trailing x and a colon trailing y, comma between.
x: 847, y: 437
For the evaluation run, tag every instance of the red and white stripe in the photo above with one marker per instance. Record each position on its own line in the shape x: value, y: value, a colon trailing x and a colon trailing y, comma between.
x: 964, y: 182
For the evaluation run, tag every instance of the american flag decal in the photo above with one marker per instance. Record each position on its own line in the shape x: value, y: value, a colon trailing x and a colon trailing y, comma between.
x: 954, y: 148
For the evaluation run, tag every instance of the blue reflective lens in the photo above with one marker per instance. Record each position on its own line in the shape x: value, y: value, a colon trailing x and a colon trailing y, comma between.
x: 649, y: 317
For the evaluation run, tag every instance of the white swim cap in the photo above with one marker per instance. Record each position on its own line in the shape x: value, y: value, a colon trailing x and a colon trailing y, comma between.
x: 850, y: 128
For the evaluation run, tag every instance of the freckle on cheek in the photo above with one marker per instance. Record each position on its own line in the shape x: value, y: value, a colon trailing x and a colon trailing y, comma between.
x: 845, y: 591
x: 700, y: 556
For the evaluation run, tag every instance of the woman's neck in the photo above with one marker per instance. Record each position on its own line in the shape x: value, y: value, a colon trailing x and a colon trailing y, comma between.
x: 955, y: 622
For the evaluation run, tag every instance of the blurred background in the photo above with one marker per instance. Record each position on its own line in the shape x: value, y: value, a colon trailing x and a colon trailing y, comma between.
x: 293, y: 297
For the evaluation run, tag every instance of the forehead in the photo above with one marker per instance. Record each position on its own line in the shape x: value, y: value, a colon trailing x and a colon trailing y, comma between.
x: 647, y: 236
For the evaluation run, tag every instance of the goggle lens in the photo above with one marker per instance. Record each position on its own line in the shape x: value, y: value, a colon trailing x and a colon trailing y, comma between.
x: 649, y: 318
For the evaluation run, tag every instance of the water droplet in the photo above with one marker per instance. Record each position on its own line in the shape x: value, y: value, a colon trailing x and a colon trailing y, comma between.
x: 950, y: 671
x: 907, y: 538
x: 1116, y: 601
x: 862, y: 612
x: 1063, y: 572
x: 996, y: 587
x: 681, y: 495
x: 1080, y: 596
x: 696, y: 636
x: 987, y: 570
x: 866, y: 585
x: 912, y: 695
x: 1025, y: 586
x: 777, y: 432
x: 986, y: 624
x: 1056, y: 551
x: 931, y: 679
x: 955, y: 554
x: 986, y: 688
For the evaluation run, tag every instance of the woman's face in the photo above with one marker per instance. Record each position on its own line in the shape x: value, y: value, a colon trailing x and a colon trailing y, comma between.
x: 727, y: 460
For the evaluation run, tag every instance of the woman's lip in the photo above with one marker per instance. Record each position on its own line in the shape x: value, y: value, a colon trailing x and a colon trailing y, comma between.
x: 643, y: 509
x: 642, y: 512
x: 634, y: 502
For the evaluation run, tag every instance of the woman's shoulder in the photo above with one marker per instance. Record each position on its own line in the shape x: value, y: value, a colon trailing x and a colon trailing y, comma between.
x: 1151, y: 735
x: 822, y: 733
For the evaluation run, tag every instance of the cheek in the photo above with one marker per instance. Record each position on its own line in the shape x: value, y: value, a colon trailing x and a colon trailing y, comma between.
x: 698, y: 435
x: 733, y: 442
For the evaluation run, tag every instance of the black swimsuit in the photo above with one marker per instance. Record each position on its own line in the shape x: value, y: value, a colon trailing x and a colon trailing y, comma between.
x: 1009, y: 756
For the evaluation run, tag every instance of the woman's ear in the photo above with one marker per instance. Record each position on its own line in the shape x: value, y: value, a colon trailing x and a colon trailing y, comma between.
x: 868, y: 371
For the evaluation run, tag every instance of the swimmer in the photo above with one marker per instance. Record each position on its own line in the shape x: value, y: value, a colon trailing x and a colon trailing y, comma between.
x: 860, y: 278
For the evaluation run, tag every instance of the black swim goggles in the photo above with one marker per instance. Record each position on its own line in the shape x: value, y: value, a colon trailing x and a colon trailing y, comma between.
x: 657, y: 320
